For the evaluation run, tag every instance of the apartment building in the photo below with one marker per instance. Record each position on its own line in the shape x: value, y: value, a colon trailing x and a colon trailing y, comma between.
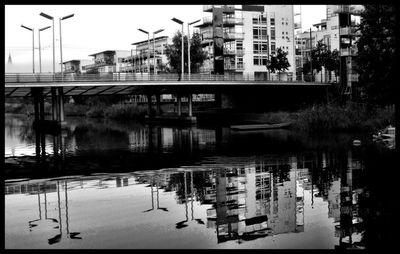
x: 338, y: 32
x: 240, y: 39
x: 76, y: 66
x: 148, y: 53
x: 108, y: 61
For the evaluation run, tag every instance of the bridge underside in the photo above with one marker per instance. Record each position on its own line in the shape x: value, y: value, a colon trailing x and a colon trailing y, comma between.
x: 254, y: 98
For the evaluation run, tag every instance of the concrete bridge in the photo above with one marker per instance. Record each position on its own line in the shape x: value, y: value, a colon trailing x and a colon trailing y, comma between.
x: 230, y: 91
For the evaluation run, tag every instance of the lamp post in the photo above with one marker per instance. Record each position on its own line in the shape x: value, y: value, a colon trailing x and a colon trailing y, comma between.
x: 63, y: 18
x: 154, y: 49
x: 181, y: 23
x: 148, y: 47
x: 40, y: 50
x: 33, y: 47
x: 52, y: 19
x: 191, y: 23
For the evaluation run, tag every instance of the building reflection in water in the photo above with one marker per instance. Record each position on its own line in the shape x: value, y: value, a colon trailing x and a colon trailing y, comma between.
x: 247, y: 200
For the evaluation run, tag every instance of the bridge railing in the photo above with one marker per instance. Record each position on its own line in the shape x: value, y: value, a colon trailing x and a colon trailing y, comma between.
x: 121, y: 77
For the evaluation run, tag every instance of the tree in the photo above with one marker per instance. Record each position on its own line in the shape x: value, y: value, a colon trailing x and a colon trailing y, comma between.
x: 197, y: 55
x: 376, y: 59
x: 279, y: 62
x: 332, y: 62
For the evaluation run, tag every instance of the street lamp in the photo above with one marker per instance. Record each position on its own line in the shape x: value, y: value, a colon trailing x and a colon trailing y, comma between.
x: 33, y: 47
x: 191, y: 23
x: 148, y: 47
x: 52, y: 19
x: 63, y: 18
x: 181, y: 23
x: 154, y: 48
x: 40, y: 50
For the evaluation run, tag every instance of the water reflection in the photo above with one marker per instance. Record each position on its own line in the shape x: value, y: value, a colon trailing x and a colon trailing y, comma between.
x: 246, y: 199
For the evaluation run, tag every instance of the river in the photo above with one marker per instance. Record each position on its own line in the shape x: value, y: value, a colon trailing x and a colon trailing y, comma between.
x: 102, y: 184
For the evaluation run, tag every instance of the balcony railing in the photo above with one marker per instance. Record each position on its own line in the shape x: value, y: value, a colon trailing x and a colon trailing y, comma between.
x: 234, y: 36
x: 40, y: 79
x: 349, y: 51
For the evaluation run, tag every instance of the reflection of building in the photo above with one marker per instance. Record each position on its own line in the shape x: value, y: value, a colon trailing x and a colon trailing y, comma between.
x: 255, y: 201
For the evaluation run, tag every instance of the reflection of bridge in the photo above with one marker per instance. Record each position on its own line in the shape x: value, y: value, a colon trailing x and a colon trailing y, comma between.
x: 230, y: 91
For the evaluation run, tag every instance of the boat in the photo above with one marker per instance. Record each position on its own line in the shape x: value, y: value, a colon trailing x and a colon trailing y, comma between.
x: 260, y: 126
x: 387, y: 133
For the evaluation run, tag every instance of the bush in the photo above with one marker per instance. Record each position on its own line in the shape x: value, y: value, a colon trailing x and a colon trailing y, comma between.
x: 349, y: 117
x: 126, y: 111
x: 95, y: 111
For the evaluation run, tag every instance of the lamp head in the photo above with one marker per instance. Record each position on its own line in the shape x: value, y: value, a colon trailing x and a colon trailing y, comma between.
x: 46, y: 16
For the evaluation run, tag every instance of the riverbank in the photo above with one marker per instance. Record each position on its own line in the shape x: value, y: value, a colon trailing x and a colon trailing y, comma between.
x: 350, y: 117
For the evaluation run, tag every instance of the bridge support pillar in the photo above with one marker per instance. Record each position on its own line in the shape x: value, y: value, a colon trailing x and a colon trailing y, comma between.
x: 35, y: 94
x: 61, y: 104
x: 41, y: 105
x: 53, y: 104
x: 179, y: 104
x: 190, y: 113
x: 149, y: 104
x: 158, y: 104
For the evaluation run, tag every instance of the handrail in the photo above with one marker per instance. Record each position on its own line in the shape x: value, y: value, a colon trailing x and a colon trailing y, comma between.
x: 125, y: 76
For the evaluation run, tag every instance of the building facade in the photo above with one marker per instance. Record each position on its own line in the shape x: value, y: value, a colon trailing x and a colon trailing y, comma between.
x: 76, y: 66
x: 240, y: 39
x: 148, y: 53
x: 108, y: 61
x: 338, y: 32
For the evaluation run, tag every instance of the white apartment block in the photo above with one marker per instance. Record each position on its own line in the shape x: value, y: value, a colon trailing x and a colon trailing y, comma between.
x: 251, y: 34
x: 264, y: 33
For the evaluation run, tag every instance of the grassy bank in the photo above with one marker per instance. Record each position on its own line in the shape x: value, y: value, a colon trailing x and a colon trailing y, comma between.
x: 350, y: 117
x: 318, y: 118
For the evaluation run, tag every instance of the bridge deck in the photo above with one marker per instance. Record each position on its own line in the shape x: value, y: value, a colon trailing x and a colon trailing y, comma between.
x: 18, y: 85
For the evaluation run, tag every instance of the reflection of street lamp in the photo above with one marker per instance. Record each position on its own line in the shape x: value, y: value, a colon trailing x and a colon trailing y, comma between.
x: 40, y: 54
x: 181, y: 23
x: 154, y: 49
x: 63, y: 18
x: 188, y: 38
x: 54, y: 59
x: 148, y: 47
x: 33, y: 47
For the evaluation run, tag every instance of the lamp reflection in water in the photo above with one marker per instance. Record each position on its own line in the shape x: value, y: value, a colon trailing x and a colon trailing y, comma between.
x: 55, y: 223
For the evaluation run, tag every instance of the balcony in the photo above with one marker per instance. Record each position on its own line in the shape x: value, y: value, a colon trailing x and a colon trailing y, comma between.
x: 349, y: 30
x: 232, y: 67
x: 98, y: 65
x: 233, y: 36
x: 232, y: 21
x: 349, y: 51
x: 225, y: 8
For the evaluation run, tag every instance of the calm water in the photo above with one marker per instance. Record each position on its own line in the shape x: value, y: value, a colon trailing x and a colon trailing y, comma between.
x: 103, y: 184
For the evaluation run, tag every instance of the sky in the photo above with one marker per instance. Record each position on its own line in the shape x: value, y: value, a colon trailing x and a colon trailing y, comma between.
x: 95, y: 28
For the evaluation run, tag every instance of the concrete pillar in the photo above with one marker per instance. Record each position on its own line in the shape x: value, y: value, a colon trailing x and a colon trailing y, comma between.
x: 53, y: 104
x: 148, y: 104
x: 61, y: 104
x: 41, y: 104
x: 179, y: 104
x: 190, y: 104
x: 158, y: 104
x: 36, y: 103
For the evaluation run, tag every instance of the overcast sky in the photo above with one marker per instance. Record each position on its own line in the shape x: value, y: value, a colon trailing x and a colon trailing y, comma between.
x: 95, y: 28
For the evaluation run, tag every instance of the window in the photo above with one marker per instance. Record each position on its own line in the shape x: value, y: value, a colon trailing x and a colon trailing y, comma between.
x: 273, y: 48
x: 272, y: 33
x: 260, y: 33
x: 239, y: 45
x: 260, y: 47
x: 272, y: 21
x: 260, y: 60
